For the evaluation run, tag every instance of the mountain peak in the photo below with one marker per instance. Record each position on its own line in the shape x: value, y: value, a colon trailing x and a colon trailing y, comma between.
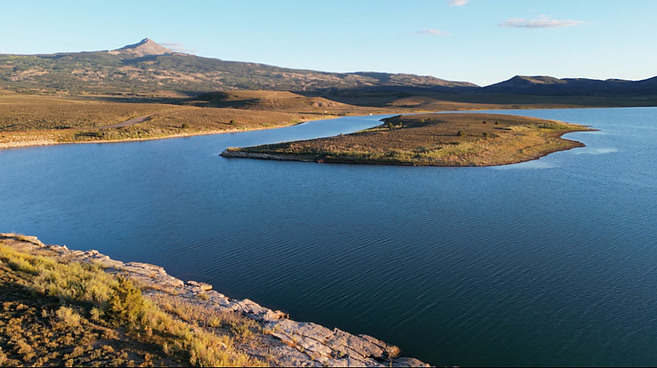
x: 143, y: 48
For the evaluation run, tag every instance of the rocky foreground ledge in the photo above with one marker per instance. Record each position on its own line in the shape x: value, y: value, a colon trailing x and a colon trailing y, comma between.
x: 287, y: 342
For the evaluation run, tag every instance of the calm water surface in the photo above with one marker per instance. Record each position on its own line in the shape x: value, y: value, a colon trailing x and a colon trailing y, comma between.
x: 551, y: 262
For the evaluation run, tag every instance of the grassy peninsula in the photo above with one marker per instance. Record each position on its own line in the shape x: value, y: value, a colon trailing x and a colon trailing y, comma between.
x: 454, y: 139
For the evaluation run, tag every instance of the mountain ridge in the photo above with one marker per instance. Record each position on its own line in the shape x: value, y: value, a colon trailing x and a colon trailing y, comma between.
x: 148, y: 68
x: 546, y: 85
x: 143, y: 48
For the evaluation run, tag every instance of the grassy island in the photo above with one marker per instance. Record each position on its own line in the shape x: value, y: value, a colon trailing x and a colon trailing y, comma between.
x: 454, y: 139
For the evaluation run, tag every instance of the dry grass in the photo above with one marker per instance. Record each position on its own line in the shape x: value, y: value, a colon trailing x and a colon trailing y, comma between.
x: 25, y: 113
x: 187, y: 121
x: 76, y: 314
x: 44, y: 120
x: 437, y: 140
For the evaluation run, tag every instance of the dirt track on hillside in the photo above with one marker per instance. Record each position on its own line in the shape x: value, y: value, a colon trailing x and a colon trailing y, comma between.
x: 133, y: 121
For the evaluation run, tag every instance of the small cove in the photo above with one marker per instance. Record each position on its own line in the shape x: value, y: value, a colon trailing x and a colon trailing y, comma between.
x: 549, y: 262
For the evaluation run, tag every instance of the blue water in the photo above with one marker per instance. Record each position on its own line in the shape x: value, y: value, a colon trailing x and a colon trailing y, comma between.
x: 550, y: 262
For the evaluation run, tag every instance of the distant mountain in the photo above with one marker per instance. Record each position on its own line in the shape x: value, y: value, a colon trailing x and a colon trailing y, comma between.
x: 543, y: 85
x: 149, y: 68
x: 143, y: 48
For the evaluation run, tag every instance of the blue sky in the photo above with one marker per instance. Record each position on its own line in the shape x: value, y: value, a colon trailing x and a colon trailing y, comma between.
x: 481, y: 41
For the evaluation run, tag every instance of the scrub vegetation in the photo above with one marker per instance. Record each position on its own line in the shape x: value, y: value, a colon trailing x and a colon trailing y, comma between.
x: 464, y: 139
x: 57, y: 313
x: 40, y: 120
x: 31, y: 120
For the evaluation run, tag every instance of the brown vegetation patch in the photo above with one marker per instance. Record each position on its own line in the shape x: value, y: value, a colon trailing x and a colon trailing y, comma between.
x: 282, y: 101
x: 59, y: 313
x: 28, y: 113
x: 42, y: 120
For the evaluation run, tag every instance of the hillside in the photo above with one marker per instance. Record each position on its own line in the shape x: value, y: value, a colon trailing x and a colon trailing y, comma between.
x: 42, y: 120
x: 147, y: 68
x: 271, y: 101
x: 544, y: 85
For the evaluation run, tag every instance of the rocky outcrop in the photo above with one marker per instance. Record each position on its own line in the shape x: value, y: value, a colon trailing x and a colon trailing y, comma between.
x: 290, y: 343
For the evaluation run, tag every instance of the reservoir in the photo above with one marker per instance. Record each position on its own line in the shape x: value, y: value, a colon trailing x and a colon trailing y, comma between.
x: 551, y: 262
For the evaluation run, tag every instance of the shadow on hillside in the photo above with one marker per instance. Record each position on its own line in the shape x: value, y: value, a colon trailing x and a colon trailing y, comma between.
x: 416, y: 97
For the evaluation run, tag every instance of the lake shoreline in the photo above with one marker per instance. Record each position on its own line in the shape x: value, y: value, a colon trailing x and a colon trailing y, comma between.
x: 45, y: 142
x: 311, y: 159
x: 291, y: 343
x: 40, y: 141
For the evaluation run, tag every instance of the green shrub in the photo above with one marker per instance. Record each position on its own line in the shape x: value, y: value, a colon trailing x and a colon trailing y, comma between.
x: 69, y: 317
x: 126, y: 302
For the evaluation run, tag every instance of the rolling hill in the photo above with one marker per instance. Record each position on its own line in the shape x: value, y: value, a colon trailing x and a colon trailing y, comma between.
x: 149, y: 68
x: 544, y: 85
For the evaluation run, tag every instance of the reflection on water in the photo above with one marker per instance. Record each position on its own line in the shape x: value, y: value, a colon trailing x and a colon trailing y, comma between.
x: 536, y: 164
x: 463, y: 266
x: 595, y: 151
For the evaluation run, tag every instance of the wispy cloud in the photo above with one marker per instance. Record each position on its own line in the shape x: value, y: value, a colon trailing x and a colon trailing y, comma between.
x: 457, y: 2
x: 432, y: 32
x: 177, y: 47
x: 542, y: 21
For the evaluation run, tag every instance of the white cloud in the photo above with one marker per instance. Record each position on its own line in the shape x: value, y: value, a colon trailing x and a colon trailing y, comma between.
x: 177, y: 47
x: 458, y: 2
x: 432, y: 32
x: 542, y: 21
